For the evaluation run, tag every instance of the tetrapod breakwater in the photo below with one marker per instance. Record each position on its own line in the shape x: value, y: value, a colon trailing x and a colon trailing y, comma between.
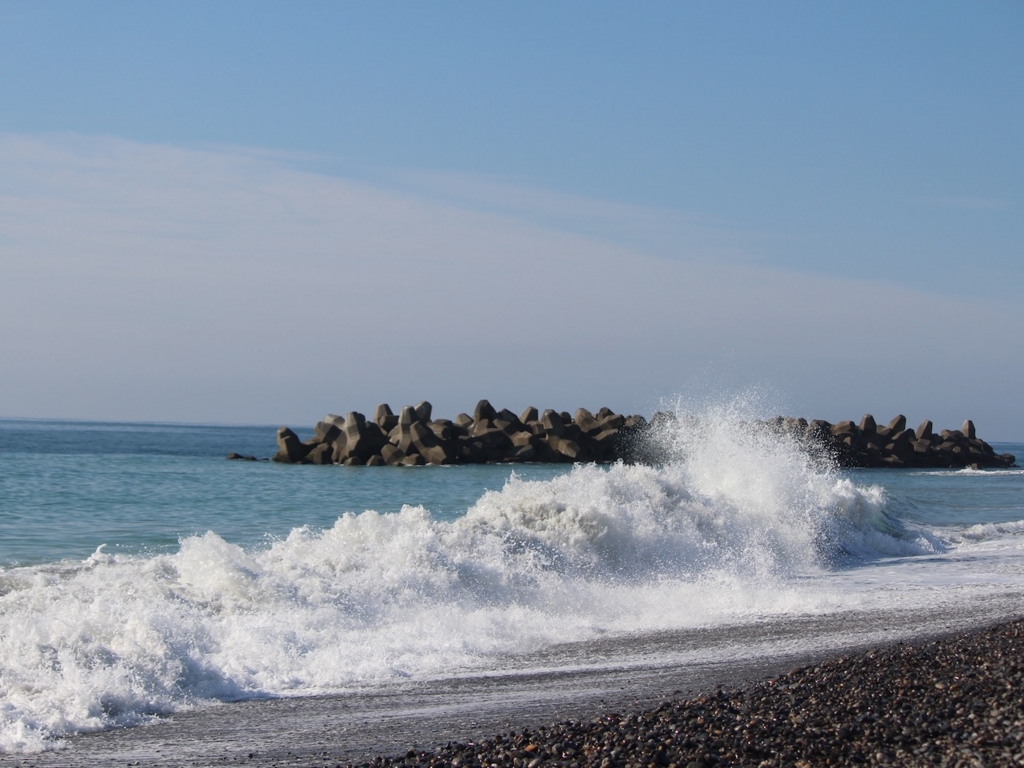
x: 414, y: 437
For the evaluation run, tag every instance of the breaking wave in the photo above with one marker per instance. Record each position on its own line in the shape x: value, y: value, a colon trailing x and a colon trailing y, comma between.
x: 737, y: 527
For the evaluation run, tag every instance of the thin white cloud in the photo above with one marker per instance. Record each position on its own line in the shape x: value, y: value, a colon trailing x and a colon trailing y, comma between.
x: 661, y: 232
x: 148, y: 281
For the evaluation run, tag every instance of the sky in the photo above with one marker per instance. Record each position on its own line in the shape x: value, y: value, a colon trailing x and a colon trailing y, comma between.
x: 253, y: 212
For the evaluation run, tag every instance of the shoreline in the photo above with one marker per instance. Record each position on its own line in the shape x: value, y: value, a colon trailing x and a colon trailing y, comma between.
x: 625, y: 676
x: 954, y: 700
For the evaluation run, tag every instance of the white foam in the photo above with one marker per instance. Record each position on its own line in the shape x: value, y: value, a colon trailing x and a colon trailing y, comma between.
x: 973, y: 473
x: 743, y: 525
x: 985, y: 532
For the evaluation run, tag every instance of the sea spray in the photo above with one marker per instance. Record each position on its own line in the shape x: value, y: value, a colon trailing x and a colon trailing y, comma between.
x: 740, y: 525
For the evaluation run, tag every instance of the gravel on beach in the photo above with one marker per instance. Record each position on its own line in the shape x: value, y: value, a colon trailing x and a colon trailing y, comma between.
x: 954, y: 701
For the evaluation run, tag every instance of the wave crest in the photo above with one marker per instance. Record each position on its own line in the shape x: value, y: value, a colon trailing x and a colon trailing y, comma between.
x: 731, y: 530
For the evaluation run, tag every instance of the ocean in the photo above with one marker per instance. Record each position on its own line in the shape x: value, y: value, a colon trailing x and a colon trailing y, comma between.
x: 142, y: 574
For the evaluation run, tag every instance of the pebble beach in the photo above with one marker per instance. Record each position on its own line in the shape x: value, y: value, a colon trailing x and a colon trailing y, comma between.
x: 952, y: 701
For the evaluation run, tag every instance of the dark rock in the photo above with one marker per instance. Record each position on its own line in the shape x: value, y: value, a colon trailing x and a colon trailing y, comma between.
x: 523, y: 453
x: 524, y: 438
x: 326, y: 432
x: 818, y: 430
x: 981, y: 445
x: 495, y: 436
x: 586, y: 422
x: 506, y: 415
x: 573, y: 432
x: 433, y: 450
x: 635, y: 421
x: 392, y: 455
x: 340, y: 452
x: 402, y: 435
x: 545, y: 453
x: 903, y: 437
x: 471, y: 450
x: 384, y: 418
x: 509, y: 423
x: 442, y: 429
x: 922, y: 446
x: 898, y: 424
x: 484, y: 411
x: 363, y: 439
x: 376, y: 438
x: 569, y: 450
x: 610, y: 420
x: 480, y: 426
x: 844, y: 428
x: 321, y: 454
x: 417, y: 438
x: 290, y: 450
x: 606, y: 445
x: 553, y: 423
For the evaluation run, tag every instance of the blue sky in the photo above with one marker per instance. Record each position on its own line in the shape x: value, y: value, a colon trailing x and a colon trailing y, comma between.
x: 263, y: 211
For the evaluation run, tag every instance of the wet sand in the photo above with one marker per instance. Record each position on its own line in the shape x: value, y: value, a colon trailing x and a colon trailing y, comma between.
x: 573, y: 682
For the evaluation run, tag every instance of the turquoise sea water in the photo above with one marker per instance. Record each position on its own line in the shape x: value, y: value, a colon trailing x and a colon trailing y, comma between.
x: 66, y: 488
x: 141, y: 572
